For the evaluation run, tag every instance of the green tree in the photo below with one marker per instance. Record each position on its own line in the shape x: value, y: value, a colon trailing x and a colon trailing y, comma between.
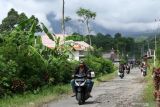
x: 10, y: 21
x: 117, y: 35
x: 86, y: 16
x: 22, y: 17
x: 13, y: 19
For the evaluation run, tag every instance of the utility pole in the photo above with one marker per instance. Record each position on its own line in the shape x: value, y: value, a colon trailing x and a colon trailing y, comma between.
x: 148, y: 45
x: 155, y: 37
x: 155, y: 50
x: 63, y: 18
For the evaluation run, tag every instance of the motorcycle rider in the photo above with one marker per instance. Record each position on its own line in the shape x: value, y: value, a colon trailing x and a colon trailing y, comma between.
x: 121, y: 68
x: 143, y: 65
x: 83, y: 69
x: 131, y: 64
x: 128, y: 67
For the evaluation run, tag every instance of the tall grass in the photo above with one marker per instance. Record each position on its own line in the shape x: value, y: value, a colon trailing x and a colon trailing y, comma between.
x: 148, y: 96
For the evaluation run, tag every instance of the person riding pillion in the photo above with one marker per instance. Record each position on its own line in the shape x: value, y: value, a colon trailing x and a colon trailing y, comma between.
x: 83, y: 69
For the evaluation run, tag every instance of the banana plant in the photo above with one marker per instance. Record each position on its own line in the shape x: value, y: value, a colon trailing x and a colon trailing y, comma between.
x: 59, y: 49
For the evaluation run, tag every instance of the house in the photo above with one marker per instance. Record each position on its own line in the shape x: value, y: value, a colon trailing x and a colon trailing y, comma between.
x: 79, y: 49
x: 112, y: 56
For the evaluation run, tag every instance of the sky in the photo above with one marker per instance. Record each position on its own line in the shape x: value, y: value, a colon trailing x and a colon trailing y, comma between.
x: 117, y: 15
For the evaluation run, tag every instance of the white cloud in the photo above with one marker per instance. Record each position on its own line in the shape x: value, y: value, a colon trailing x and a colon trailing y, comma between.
x: 133, y: 15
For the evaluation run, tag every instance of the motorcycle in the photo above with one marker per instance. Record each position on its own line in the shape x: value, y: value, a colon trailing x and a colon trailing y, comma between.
x: 131, y: 66
x: 144, y: 71
x: 82, y: 93
x: 121, y: 74
x: 127, y: 69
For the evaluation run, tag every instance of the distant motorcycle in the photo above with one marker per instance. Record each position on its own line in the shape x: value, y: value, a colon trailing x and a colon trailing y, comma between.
x: 121, y: 71
x: 144, y: 71
x: 127, y: 69
x: 131, y: 65
x: 121, y: 75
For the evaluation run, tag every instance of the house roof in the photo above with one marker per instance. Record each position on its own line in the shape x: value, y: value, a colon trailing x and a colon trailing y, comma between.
x: 81, y: 45
x: 77, y: 45
x: 47, y: 42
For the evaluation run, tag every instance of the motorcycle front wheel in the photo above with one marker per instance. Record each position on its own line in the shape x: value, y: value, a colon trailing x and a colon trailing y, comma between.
x: 79, y: 98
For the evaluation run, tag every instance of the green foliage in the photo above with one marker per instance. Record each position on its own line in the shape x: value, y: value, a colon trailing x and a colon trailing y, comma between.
x: 148, y: 94
x: 86, y: 14
x: 10, y: 21
x: 13, y: 19
x: 104, y: 41
x: 76, y: 38
x: 26, y: 66
x: 99, y: 65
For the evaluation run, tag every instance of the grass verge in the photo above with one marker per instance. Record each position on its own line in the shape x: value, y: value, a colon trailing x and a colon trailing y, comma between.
x: 148, y: 91
x: 106, y: 77
x: 34, y: 100
x: 46, y: 94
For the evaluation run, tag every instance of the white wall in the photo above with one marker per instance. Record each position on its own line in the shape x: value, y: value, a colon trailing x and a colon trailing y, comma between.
x: 76, y: 55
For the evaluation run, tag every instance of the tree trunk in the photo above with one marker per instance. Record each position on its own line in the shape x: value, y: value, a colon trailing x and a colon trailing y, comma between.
x: 90, y: 42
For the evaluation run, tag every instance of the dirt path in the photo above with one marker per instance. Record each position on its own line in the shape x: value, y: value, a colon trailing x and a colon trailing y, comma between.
x: 115, y: 93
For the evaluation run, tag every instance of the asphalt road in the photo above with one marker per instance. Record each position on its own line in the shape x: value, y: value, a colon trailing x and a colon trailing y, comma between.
x: 124, y: 92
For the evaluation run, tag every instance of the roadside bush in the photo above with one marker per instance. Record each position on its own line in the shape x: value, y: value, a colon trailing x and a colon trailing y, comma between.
x: 2, y: 92
x: 18, y: 86
x: 99, y: 65
x: 61, y: 70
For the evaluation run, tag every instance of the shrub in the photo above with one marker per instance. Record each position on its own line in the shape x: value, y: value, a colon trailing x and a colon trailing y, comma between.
x: 61, y: 70
x: 18, y: 86
x: 2, y: 92
x: 99, y: 65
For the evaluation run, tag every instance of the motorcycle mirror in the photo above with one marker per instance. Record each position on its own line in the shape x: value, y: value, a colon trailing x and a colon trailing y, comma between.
x: 92, y: 74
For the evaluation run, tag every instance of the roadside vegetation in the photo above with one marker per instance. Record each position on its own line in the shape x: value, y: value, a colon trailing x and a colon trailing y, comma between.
x: 148, y: 95
x: 149, y: 89
x: 30, y: 71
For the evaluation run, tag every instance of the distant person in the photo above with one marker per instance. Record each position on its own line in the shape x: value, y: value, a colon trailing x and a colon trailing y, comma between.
x: 131, y: 64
